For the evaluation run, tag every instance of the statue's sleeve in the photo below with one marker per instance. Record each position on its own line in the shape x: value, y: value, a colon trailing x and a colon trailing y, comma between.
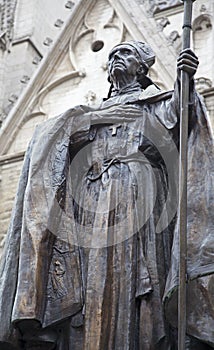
x: 172, y: 106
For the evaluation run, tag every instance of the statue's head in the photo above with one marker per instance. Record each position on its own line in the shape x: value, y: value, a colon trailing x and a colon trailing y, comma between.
x: 131, y: 58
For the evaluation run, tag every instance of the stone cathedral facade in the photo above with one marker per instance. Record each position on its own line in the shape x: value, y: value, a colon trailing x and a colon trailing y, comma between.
x: 53, y: 55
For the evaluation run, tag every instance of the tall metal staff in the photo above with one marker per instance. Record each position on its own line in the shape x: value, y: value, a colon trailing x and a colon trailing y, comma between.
x: 184, y: 111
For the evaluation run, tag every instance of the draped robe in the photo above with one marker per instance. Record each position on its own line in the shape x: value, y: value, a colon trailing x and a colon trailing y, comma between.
x: 93, y: 241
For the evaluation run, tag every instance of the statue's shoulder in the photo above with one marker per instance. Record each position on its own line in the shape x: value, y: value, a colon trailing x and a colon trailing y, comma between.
x: 154, y: 94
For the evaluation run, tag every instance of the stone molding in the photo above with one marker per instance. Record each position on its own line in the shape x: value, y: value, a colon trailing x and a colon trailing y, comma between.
x: 11, y: 158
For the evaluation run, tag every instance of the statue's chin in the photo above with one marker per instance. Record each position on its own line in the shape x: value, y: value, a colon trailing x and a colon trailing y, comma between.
x: 118, y: 73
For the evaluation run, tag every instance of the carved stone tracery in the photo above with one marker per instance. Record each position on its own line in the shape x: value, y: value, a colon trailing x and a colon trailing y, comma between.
x: 7, y: 13
x: 96, y: 24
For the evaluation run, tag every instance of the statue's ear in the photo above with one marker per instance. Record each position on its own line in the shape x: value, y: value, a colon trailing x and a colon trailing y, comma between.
x: 142, y: 77
x: 142, y: 70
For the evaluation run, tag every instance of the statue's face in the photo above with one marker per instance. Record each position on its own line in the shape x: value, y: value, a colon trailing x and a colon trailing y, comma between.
x: 123, y: 60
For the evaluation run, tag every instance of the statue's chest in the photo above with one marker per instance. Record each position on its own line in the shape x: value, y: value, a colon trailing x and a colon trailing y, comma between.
x: 112, y: 140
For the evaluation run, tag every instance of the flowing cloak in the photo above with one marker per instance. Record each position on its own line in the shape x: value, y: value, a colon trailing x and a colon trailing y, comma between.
x: 60, y: 254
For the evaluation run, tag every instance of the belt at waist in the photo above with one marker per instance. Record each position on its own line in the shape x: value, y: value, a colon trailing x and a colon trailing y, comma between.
x: 120, y: 159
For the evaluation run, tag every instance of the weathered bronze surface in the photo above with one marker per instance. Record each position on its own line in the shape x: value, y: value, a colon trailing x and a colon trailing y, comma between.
x: 91, y: 257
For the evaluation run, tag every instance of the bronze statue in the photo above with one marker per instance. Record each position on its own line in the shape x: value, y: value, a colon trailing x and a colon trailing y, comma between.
x: 90, y: 260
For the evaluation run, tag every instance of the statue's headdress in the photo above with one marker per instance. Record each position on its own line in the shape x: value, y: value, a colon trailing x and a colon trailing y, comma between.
x: 143, y: 50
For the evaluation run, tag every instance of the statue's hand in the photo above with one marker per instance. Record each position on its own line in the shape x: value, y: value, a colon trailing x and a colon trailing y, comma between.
x: 116, y: 113
x: 35, y: 337
x: 188, y: 62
